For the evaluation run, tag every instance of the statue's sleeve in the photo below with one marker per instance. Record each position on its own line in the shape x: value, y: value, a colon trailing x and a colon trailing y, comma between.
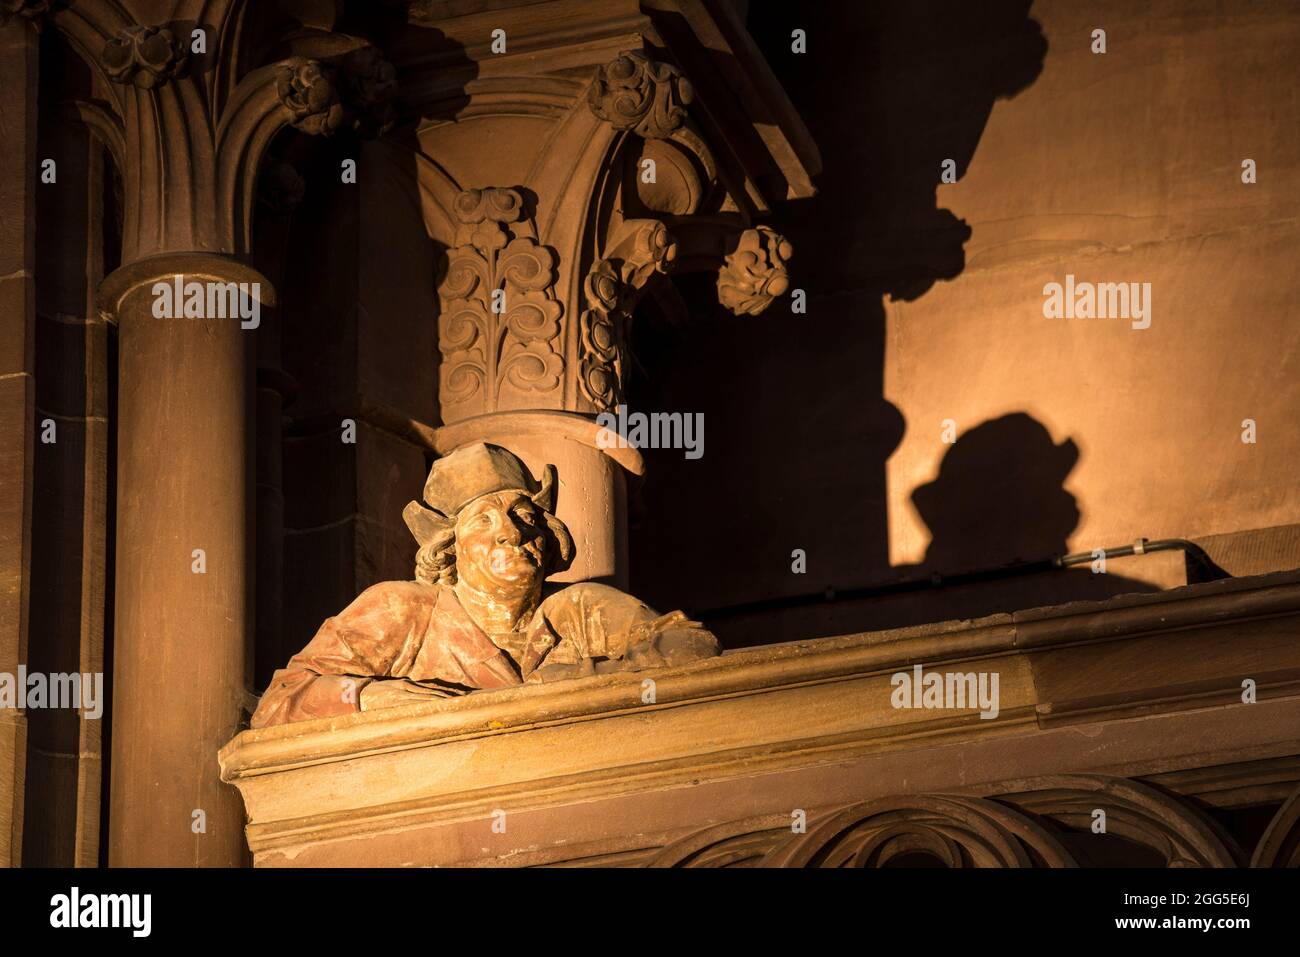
x: 595, y: 621
x: 349, y: 650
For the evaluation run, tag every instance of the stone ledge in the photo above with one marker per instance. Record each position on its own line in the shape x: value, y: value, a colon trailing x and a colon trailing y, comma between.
x: 410, y: 785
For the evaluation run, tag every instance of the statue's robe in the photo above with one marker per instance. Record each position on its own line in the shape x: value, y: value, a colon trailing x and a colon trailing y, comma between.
x: 422, y: 633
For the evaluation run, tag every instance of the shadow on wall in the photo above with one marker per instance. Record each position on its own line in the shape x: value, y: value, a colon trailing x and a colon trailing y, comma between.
x: 891, y: 91
x: 1000, y: 499
x: 798, y: 429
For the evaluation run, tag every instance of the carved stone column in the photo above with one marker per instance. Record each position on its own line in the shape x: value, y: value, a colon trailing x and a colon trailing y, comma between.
x: 19, y: 53
x: 188, y: 132
x: 182, y: 607
x: 576, y: 179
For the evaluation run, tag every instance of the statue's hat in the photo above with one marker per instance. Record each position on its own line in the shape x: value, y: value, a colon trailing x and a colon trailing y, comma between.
x: 457, y: 479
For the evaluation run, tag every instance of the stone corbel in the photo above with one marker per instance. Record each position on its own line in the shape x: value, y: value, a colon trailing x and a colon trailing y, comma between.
x: 625, y: 179
x: 637, y: 95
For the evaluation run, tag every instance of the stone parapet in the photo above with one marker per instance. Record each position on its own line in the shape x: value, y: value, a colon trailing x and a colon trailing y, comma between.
x: 634, y: 768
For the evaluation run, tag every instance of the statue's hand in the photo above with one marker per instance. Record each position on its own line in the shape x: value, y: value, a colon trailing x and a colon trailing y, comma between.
x: 391, y: 692
x: 643, y: 656
x: 663, y: 642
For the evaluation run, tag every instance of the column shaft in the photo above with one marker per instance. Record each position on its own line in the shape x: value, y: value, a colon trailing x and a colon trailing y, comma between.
x: 182, y: 586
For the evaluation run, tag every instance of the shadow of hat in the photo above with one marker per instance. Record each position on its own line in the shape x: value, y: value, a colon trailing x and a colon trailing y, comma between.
x: 1005, y: 463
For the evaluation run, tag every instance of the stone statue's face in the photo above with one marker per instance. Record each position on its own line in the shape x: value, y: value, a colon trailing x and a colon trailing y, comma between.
x: 501, y: 544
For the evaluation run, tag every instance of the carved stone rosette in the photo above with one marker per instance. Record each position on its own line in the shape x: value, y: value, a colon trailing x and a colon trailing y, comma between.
x: 611, y: 290
x: 308, y: 92
x: 322, y: 98
x: 634, y: 92
x: 500, y: 318
x: 755, y: 274
x: 146, y: 57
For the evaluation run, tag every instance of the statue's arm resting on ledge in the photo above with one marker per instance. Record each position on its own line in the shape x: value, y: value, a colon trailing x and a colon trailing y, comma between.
x: 344, y: 669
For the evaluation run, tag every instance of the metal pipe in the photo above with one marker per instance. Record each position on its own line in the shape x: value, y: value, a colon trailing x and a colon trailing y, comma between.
x: 1209, y: 571
x: 1205, y: 567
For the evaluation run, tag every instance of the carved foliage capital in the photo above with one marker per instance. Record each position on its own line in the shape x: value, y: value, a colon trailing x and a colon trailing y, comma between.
x: 755, y: 273
x: 500, y: 318
x: 145, y: 57
x: 634, y: 92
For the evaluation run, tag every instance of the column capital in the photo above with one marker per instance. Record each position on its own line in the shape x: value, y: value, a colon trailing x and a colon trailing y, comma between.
x: 188, y: 117
x: 640, y: 169
x: 203, y: 267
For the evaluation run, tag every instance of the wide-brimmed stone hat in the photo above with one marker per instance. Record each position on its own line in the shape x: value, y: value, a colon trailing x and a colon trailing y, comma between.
x: 469, y: 473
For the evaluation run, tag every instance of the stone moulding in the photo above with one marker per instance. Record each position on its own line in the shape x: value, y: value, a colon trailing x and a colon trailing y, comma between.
x: 1280, y: 844
x: 389, y: 787
x: 200, y: 267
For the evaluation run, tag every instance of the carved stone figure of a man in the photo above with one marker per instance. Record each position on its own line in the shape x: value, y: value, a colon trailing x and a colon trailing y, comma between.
x: 479, y: 614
